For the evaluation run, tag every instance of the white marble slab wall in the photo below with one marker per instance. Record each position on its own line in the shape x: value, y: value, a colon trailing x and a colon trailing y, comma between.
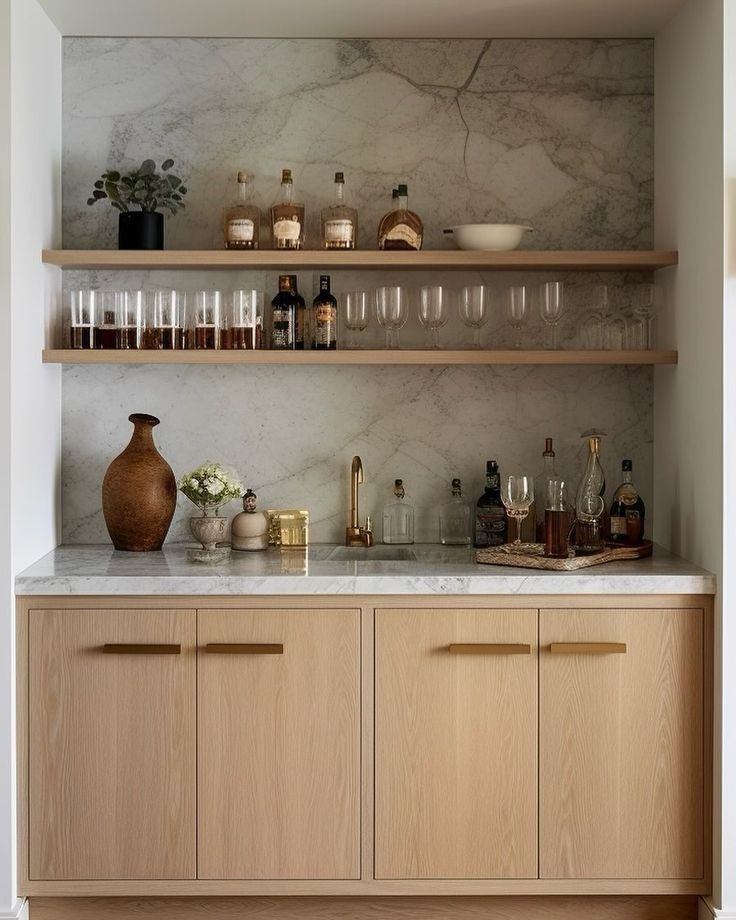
x: 558, y: 133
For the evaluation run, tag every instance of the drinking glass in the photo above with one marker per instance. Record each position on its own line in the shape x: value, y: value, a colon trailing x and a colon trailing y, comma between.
x: 517, y: 303
x: 166, y: 320
x: 645, y: 308
x: 433, y: 311
x: 614, y: 332
x: 130, y: 319
x: 392, y: 309
x: 473, y: 309
x: 208, y: 319
x: 106, y: 319
x: 517, y: 496
x: 357, y: 314
x: 588, y: 513
x: 551, y: 308
x: 245, y: 326
x: 83, y: 305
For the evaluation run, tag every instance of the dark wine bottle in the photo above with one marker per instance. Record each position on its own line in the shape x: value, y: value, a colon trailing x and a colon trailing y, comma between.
x: 283, y: 316
x: 324, y: 316
x: 627, y: 511
x: 490, y: 514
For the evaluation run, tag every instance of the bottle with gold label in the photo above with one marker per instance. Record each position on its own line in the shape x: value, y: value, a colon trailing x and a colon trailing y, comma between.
x: 340, y: 222
x: 324, y: 317
x: 287, y: 217
x: 242, y: 222
x: 401, y: 228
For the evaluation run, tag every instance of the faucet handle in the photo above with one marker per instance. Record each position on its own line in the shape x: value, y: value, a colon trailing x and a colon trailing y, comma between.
x: 366, y: 532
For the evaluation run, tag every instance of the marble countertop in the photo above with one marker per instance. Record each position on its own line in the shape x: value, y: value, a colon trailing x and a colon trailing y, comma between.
x: 419, y: 569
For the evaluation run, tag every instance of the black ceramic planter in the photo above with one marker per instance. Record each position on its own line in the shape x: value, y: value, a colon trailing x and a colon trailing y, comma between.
x: 141, y: 230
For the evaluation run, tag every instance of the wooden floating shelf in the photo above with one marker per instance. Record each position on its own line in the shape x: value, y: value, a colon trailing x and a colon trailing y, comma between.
x: 347, y: 357
x: 427, y: 260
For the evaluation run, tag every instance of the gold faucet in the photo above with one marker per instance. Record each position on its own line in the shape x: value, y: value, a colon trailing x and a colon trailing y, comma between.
x: 355, y: 535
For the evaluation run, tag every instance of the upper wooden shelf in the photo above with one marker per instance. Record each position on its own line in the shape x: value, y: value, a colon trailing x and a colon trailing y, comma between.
x: 428, y: 260
x: 355, y: 356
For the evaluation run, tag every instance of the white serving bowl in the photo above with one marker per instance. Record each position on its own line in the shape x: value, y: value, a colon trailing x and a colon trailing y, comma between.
x: 488, y: 237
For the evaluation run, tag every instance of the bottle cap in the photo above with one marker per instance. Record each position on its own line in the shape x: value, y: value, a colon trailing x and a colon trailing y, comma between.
x: 286, y: 175
x: 242, y: 176
x: 249, y: 499
x: 626, y: 466
x: 339, y: 177
x: 285, y: 282
x: 456, y: 483
x: 548, y: 451
x: 403, y: 190
x: 399, y: 488
x: 394, y: 192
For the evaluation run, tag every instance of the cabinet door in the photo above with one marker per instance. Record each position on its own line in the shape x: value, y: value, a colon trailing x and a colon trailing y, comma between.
x: 112, y: 744
x: 279, y: 744
x: 456, y: 744
x: 621, y: 744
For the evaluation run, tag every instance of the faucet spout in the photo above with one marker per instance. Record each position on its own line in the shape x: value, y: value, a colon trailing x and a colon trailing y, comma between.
x: 355, y: 535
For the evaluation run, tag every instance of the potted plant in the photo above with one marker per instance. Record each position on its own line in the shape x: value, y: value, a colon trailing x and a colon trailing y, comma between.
x: 209, y: 487
x: 141, y: 196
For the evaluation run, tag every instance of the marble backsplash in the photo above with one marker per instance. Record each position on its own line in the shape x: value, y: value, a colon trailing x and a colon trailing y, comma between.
x: 558, y: 133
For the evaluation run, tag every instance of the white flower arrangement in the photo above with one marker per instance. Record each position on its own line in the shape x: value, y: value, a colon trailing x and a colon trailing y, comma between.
x: 210, y: 486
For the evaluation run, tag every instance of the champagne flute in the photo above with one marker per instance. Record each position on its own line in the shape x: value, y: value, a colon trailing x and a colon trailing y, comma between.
x: 517, y: 310
x: 473, y: 309
x: 517, y: 496
x: 392, y: 310
x: 433, y: 311
x: 357, y: 314
x: 551, y: 308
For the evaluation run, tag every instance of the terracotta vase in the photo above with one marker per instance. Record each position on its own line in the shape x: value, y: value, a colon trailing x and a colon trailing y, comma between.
x: 139, y: 492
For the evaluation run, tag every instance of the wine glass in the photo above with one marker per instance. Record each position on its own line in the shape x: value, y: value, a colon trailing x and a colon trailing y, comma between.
x: 517, y: 310
x: 392, y: 310
x: 473, y: 309
x: 517, y: 496
x: 645, y: 307
x: 551, y: 308
x: 357, y: 314
x: 433, y: 311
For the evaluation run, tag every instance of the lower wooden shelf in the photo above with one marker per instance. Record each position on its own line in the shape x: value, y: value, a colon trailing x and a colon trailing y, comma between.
x: 400, y: 356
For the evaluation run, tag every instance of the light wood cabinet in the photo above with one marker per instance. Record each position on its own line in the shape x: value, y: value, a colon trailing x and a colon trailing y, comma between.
x: 111, y: 744
x: 456, y: 744
x: 621, y: 757
x: 279, y: 744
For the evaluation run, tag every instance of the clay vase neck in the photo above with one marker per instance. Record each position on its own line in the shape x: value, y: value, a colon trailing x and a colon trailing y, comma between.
x: 142, y: 437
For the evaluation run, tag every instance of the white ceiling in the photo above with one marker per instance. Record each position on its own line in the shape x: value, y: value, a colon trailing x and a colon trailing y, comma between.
x: 363, y: 18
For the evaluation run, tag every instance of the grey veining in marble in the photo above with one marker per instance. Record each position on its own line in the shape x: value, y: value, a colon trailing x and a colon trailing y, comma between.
x: 555, y: 132
x: 436, y: 570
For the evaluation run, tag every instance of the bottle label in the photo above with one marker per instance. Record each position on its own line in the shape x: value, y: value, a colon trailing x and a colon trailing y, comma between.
x: 240, y: 230
x: 324, y: 313
x: 282, y: 329
x: 338, y: 231
x: 287, y: 229
x: 404, y: 234
x: 490, y: 527
x: 618, y: 526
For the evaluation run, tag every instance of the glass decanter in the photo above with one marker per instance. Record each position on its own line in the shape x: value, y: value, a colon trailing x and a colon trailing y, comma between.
x: 455, y: 518
x: 398, y: 518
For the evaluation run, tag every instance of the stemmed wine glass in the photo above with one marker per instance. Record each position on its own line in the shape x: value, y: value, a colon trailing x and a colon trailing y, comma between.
x: 473, y: 309
x: 357, y: 314
x: 433, y: 311
x: 517, y: 496
x: 517, y: 310
x: 392, y: 310
x: 645, y: 308
x: 551, y: 308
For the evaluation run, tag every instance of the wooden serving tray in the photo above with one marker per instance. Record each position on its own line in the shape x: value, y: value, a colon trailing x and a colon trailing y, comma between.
x: 531, y: 556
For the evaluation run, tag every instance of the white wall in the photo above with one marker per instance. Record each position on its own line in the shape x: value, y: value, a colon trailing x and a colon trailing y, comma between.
x: 688, y: 399
x: 30, y: 391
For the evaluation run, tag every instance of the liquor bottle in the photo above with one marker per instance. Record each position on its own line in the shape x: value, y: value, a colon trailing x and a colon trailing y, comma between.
x: 627, y: 511
x: 590, y: 507
x: 242, y: 222
x: 398, y: 517
x: 383, y: 223
x: 490, y: 514
x: 541, y: 484
x: 401, y: 228
x: 324, y: 317
x: 302, y: 324
x: 339, y: 223
x: 287, y: 217
x: 283, y: 316
x: 455, y: 518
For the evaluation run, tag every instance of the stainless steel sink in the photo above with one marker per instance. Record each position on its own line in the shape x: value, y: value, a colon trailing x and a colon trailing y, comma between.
x: 372, y: 554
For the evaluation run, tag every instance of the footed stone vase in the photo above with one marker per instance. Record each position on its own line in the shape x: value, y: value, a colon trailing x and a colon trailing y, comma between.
x: 139, y: 492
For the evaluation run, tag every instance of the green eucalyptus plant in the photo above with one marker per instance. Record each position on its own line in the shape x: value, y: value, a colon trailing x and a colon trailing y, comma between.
x: 142, y: 188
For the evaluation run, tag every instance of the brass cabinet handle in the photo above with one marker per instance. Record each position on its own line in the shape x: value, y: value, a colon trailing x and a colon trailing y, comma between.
x: 244, y: 648
x: 588, y: 648
x: 140, y: 648
x: 489, y: 648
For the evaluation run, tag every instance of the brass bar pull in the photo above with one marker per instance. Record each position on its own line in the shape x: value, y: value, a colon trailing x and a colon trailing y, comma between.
x: 135, y: 648
x: 489, y: 648
x: 588, y: 648
x: 244, y: 648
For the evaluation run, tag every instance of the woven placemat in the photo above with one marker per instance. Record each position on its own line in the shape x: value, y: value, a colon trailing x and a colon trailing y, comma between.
x: 531, y: 556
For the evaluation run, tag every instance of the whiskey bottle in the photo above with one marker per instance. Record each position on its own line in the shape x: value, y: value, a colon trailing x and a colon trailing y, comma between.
x: 287, y: 217
x: 302, y: 327
x: 383, y: 223
x: 455, y: 518
x: 324, y: 317
x: 398, y: 517
x: 401, y: 228
x: 627, y: 511
x: 242, y: 221
x: 283, y: 315
x: 490, y: 514
x: 339, y: 223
